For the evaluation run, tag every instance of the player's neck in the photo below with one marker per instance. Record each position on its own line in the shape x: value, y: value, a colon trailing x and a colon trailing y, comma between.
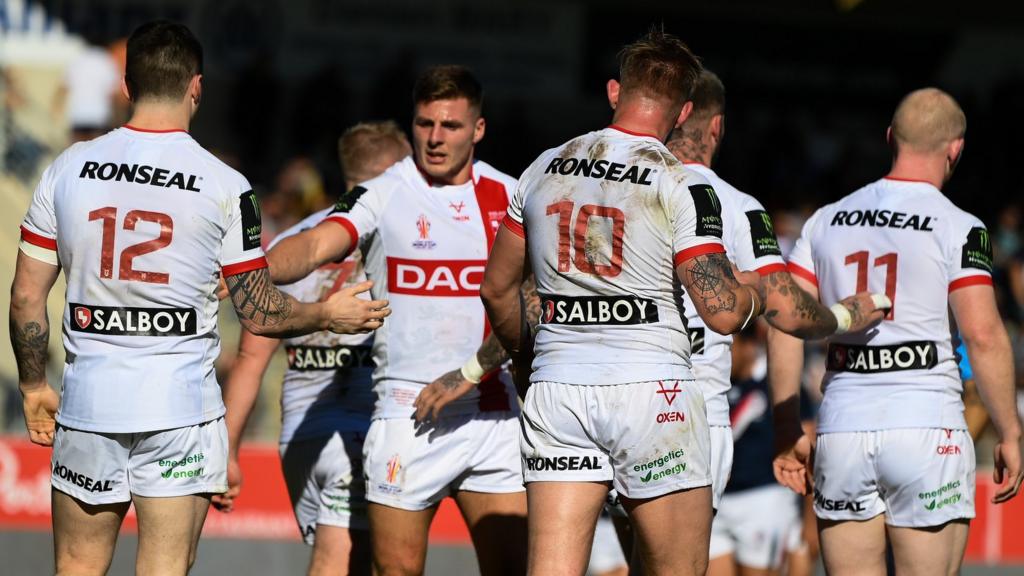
x: 457, y: 178
x: 160, y: 117
x: 930, y: 169
x: 643, y: 117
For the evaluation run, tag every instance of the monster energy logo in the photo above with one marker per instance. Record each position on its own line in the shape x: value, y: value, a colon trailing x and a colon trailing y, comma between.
x: 767, y: 222
x: 977, y: 251
x: 986, y: 243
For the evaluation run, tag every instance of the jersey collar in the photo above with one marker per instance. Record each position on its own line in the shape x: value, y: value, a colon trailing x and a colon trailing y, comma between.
x: 632, y: 133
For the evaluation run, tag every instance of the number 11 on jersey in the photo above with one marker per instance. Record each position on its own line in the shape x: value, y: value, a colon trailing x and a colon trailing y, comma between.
x: 889, y: 261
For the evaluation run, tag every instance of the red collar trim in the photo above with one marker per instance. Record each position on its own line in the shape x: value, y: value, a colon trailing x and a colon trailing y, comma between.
x: 906, y: 180
x: 631, y: 133
x: 137, y: 129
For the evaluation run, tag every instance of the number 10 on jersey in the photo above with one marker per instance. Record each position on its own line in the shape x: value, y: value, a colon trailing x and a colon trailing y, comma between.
x: 580, y: 237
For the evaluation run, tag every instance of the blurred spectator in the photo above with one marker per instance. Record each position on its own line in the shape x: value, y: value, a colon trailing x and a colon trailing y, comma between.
x: 92, y: 87
x: 299, y: 192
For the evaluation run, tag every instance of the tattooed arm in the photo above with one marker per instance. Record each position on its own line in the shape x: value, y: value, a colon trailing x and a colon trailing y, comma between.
x: 266, y: 311
x: 723, y: 303
x: 30, y: 335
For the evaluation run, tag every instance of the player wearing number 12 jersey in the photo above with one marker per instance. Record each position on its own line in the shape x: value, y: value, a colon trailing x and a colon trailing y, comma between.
x: 143, y: 222
x: 893, y: 453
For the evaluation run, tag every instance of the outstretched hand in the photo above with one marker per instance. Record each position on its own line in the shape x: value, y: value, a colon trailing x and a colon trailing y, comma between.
x: 350, y: 314
x: 40, y: 408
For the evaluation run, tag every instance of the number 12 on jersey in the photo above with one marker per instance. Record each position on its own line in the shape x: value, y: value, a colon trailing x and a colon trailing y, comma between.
x: 889, y: 261
x: 108, y: 215
x: 579, y: 237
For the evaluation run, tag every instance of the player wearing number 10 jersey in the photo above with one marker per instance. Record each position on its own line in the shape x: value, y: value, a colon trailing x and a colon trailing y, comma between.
x: 893, y: 448
x: 144, y: 222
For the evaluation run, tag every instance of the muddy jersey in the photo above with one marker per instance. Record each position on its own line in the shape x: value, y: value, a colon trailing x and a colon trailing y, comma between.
x: 327, y: 386
x: 144, y: 223
x: 425, y: 247
x: 907, y: 240
x: 749, y: 239
x: 607, y: 218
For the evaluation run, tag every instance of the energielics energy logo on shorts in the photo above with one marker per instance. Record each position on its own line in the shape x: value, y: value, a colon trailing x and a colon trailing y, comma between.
x: 127, y: 321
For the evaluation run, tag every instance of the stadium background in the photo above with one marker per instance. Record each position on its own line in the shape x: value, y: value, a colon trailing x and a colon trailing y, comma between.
x: 811, y: 85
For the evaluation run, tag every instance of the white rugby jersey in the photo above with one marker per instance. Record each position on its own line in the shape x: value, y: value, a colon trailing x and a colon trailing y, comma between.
x: 425, y: 248
x: 906, y: 239
x: 749, y: 239
x: 144, y: 223
x: 607, y: 217
x: 328, y: 385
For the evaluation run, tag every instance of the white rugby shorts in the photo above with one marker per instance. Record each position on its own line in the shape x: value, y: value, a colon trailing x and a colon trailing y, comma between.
x: 413, y: 467
x: 325, y: 482
x: 98, y: 468
x: 721, y: 461
x: 756, y: 526
x: 648, y: 439
x: 917, y: 477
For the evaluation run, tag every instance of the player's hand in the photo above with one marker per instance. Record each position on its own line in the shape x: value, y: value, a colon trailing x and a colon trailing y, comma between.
x: 226, y: 502
x: 864, y: 313
x: 1008, y: 469
x: 350, y: 314
x: 40, y: 407
x: 750, y: 278
x: 440, y: 393
x: 222, y: 289
x: 793, y: 465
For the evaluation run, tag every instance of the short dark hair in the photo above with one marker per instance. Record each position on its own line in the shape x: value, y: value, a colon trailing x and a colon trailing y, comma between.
x: 162, y: 57
x: 658, y: 65
x: 448, y: 83
x: 708, y: 95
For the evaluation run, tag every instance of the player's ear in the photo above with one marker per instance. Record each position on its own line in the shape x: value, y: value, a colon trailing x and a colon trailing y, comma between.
x: 613, y: 87
x: 684, y: 113
x: 124, y: 89
x: 717, y: 127
x: 956, y: 148
x: 195, y: 89
x: 478, y: 130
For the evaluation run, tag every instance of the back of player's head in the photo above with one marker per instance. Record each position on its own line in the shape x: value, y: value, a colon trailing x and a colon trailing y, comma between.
x: 162, y: 57
x: 927, y: 120
x: 708, y: 95
x: 362, y: 145
x: 658, y: 65
x: 448, y: 83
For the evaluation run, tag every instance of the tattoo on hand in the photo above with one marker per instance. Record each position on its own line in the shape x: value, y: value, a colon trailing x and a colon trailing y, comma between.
x: 451, y: 380
x: 711, y: 280
x: 30, y: 342
x: 256, y: 298
x: 491, y: 354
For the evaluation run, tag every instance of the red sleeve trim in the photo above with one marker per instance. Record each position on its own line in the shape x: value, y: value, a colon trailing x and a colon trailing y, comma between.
x: 242, y: 267
x: 513, y: 226
x: 349, y: 227
x: 802, y: 272
x: 38, y: 239
x: 700, y: 250
x: 771, y: 269
x: 970, y: 281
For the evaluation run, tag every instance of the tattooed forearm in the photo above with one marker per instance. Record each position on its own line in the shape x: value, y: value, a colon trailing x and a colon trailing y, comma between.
x: 710, y: 281
x: 794, y: 311
x: 258, y: 302
x: 491, y: 354
x: 30, y: 340
x: 531, y: 307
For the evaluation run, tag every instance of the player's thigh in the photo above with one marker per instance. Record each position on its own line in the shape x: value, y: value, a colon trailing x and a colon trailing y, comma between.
x: 169, y: 529
x: 399, y: 538
x: 666, y: 544
x: 935, y: 551
x: 723, y: 564
x: 562, y: 518
x: 84, y: 535
x: 497, y: 525
x: 853, y: 548
x: 340, y: 551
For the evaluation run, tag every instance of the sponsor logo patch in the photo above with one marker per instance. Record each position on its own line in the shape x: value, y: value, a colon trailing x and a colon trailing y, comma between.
x: 921, y: 355
x: 882, y: 219
x: 669, y: 394
x: 945, y: 495
x: 600, y: 169
x: 762, y: 234
x: 656, y: 468
x: 252, y: 226
x: 560, y: 463
x: 977, y: 251
x: 140, y: 174
x: 309, y: 358
x: 709, y: 210
x: 836, y: 505
x: 129, y: 321
x: 81, y: 480
x: 589, y: 310
x: 423, y: 241
x: 174, y: 467
x: 435, y: 277
x: 348, y: 200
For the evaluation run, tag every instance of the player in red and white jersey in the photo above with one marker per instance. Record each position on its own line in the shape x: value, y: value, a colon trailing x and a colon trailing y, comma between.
x: 425, y: 227
x: 144, y: 222
x: 614, y: 223
x: 327, y: 392
x: 893, y: 453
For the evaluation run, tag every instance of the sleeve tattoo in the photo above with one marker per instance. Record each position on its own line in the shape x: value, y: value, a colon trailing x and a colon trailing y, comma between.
x: 30, y: 341
x: 710, y: 280
x: 257, y: 300
x: 813, y: 319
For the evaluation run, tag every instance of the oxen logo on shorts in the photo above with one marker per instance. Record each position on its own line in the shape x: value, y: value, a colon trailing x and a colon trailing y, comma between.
x: 83, y: 316
x: 669, y: 394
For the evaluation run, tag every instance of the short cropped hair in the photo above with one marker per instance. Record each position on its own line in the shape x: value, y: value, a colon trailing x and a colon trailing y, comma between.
x: 448, y: 83
x: 162, y: 57
x: 360, y: 144
x: 658, y: 65
x: 708, y: 95
x: 926, y: 120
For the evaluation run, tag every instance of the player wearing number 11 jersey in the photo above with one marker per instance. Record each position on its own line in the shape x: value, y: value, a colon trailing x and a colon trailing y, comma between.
x: 893, y: 453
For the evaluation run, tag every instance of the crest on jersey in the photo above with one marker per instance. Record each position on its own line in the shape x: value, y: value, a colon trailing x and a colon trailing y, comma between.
x: 709, y: 210
x: 83, y: 316
x: 423, y: 242
x: 762, y: 234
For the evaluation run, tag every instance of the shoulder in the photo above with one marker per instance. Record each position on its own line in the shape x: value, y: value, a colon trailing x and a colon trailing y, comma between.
x: 485, y: 170
x: 75, y: 154
x: 230, y: 181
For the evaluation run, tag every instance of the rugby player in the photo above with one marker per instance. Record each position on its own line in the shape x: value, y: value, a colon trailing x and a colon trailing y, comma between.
x: 426, y: 226
x: 144, y: 221
x: 894, y: 457
x: 326, y: 396
x: 612, y: 220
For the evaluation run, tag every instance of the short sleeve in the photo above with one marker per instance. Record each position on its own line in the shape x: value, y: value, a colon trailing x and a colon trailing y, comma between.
x: 755, y: 246
x: 514, y: 215
x: 241, y: 250
x: 695, y: 213
x: 39, y: 228
x: 359, y: 211
x: 970, y: 254
x: 801, y: 259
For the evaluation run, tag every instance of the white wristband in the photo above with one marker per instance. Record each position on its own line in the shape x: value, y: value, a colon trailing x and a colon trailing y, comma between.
x: 843, y: 318
x: 472, y: 370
